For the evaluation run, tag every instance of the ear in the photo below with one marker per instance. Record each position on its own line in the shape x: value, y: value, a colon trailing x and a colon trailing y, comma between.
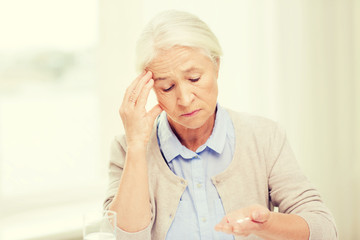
x: 217, y: 60
x: 217, y: 66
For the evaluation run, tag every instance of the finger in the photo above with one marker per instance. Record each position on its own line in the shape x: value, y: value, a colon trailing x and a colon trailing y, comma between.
x: 218, y: 227
x: 242, y: 226
x: 133, y: 86
x: 227, y: 228
x: 138, y: 90
x: 259, y: 216
x: 241, y: 220
x: 144, y: 94
x: 221, y: 224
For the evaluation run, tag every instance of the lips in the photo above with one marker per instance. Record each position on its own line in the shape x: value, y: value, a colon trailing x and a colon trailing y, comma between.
x: 190, y: 114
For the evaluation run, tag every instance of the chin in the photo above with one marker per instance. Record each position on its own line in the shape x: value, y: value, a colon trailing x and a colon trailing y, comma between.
x: 190, y: 123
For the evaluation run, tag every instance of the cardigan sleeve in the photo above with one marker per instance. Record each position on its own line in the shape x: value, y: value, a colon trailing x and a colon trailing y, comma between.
x: 116, y: 165
x: 291, y: 191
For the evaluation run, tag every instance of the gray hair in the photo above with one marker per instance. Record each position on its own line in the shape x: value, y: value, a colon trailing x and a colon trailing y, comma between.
x: 175, y: 28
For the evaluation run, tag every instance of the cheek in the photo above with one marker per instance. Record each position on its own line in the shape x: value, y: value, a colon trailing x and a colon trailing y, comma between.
x: 211, y: 92
x: 164, y: 99
x: 215, y: 85
x: 210, y: 88
x: 215, y: 89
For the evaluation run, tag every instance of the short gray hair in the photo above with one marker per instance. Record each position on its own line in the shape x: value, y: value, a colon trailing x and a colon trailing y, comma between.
x: 175, y: 28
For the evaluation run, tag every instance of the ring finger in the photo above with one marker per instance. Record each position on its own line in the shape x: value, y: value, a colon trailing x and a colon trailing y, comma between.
x: 135, y: 88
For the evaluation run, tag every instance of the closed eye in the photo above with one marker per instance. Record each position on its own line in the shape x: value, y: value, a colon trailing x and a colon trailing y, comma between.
x: 194, y: 79
x: 168, y: 89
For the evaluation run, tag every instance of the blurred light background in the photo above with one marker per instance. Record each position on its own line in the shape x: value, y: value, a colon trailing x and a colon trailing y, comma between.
x: 64, y: 66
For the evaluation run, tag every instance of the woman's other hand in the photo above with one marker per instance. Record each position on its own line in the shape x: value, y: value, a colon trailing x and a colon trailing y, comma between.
x: 258, y: 220
x: 245, y: 221
x: 137, y: 122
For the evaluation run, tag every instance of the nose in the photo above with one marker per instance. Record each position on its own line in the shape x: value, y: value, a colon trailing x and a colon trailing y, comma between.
x: 184, y: 95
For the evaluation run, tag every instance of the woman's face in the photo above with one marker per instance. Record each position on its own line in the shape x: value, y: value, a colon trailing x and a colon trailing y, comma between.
x: 186, y: 86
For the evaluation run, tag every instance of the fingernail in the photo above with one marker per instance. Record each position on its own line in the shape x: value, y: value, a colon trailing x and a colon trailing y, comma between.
x: 255, y: 215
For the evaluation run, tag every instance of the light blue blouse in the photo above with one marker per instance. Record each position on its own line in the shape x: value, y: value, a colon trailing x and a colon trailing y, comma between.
x: 200, y: 207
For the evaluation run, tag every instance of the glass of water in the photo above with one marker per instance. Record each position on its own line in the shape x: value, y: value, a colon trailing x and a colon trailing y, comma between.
x: 99, y: 225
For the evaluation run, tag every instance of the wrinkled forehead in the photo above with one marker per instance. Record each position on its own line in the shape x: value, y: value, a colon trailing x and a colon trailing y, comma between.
x: 182, y: 59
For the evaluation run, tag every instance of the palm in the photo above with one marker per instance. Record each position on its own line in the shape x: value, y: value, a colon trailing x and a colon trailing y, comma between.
x: 137, y: 122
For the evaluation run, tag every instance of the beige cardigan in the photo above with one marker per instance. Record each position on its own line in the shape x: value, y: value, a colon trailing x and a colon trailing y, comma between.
x: 263, y: 171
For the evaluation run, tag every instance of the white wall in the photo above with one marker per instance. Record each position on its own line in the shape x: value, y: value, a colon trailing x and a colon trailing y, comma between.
x: 49, y: 120
x: 297, y: 62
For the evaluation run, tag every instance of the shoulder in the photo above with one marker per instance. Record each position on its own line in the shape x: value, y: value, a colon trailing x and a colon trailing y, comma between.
x: 254, y: 123
x: 261, y: 131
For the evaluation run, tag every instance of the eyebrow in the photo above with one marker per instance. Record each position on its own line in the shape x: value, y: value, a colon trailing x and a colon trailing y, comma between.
x: 160, y: 78
x: 192, y: 69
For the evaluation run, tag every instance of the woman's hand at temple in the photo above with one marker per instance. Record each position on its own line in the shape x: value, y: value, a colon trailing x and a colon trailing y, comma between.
x: 259, y: 221
x: 137, y: 122
x: 131, y: 203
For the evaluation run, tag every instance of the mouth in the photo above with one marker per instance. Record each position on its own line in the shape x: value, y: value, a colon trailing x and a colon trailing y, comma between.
x: 190, y: 114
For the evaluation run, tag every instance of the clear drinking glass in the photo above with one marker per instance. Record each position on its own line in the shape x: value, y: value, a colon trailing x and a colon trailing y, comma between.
x: 99, y: 226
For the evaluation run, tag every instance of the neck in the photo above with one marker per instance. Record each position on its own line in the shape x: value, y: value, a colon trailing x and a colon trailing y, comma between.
x: 193, y: 138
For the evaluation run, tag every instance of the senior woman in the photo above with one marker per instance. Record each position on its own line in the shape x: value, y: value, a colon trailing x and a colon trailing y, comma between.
x: 191, y: 169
